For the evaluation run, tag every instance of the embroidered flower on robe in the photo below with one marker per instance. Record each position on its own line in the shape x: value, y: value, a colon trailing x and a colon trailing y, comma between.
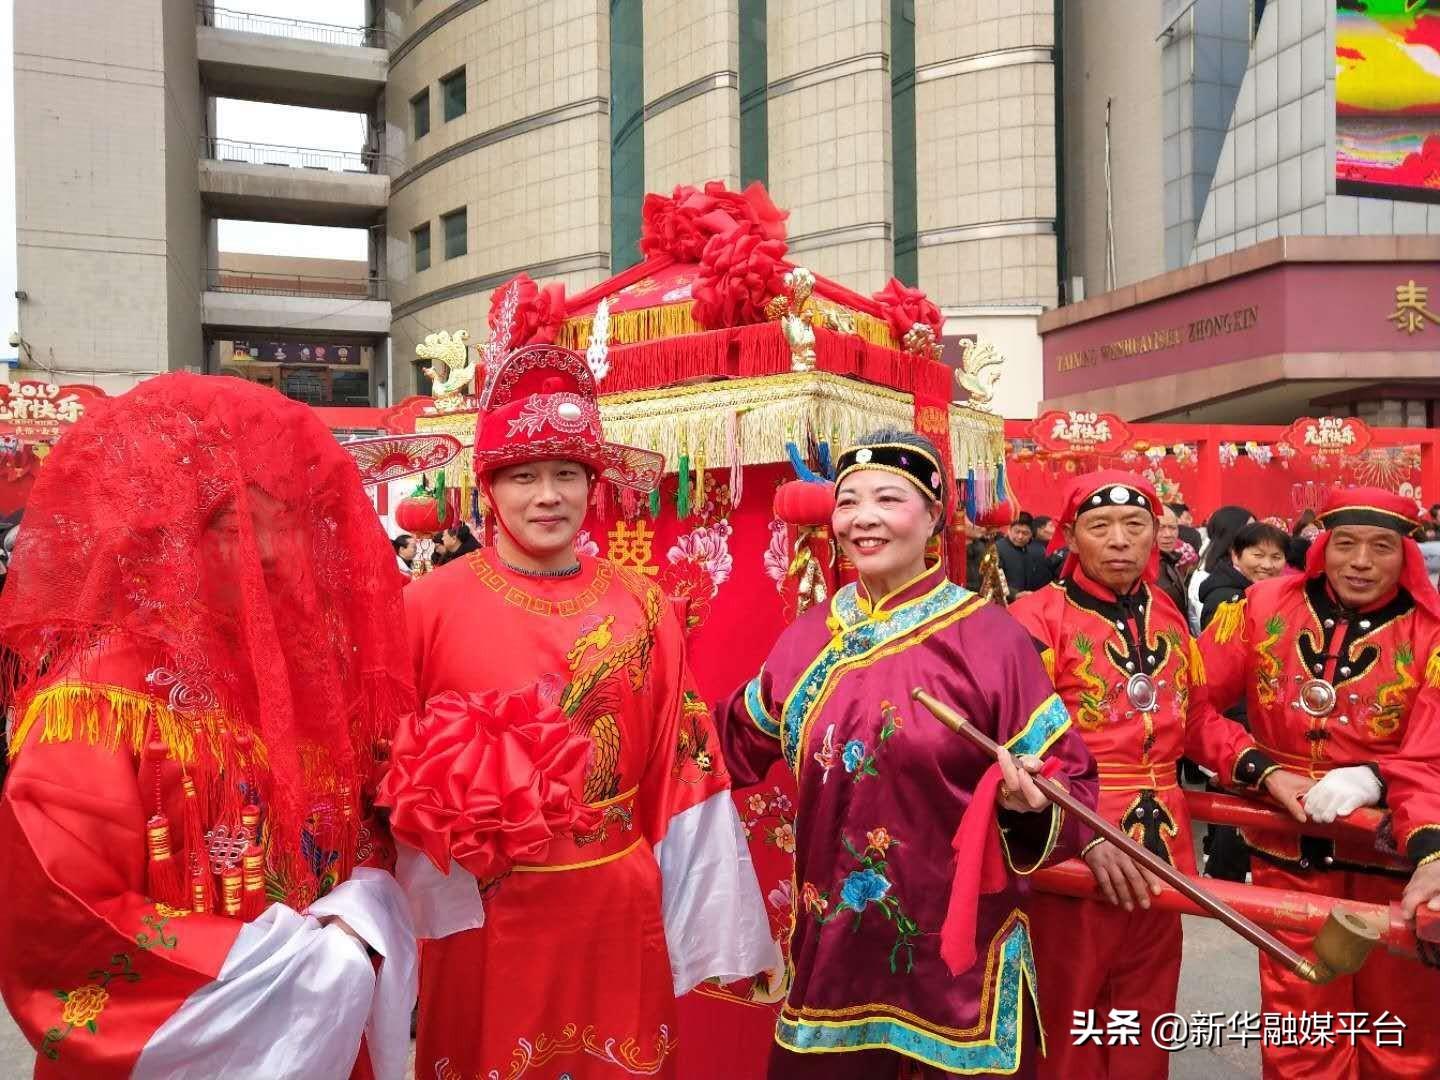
x: 813, y: 900
x: 863, y: 887
x: 782, y: 895
x: 878, y: 840
x: 84, y: 1005
x: 853, y: 755
x: 784, y: 837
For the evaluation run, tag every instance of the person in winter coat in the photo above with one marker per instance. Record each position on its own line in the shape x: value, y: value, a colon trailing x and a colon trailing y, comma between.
x: 1257, y: 553
x: 1221, y: 530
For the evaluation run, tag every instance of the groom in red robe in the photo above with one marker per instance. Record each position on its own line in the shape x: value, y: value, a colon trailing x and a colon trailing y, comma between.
x: 583, y: 940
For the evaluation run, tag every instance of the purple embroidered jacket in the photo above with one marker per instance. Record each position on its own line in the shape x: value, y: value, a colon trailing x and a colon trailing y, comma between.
x: 883, y: 786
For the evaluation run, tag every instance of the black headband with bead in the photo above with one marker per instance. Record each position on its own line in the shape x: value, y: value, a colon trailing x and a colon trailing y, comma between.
x: 913, y: 463
x: 1115, y: 495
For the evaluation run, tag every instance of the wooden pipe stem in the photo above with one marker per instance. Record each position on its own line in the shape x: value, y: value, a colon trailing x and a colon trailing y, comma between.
x: 1057, y: 794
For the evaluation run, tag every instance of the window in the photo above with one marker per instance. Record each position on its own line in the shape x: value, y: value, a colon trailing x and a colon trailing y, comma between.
x: 420, y: 113
x: 754, y: 102
x: 421, y: 237
x: 454, y: 226
x: 902, y: 140
x: 627, y: 131
x: 452, y: 94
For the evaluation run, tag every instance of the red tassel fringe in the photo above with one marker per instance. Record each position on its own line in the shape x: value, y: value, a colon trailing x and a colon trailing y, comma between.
x: 743, y: 352
x: 164, y: 876
x: 252, y: 883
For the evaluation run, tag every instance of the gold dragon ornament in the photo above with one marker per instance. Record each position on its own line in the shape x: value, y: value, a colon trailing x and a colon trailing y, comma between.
x: 794, y: 310
x: 979, y: 372
x: 451, y: 369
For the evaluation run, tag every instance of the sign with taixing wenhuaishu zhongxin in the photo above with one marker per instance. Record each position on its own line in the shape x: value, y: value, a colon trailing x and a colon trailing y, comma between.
x: 1328, y: 435
x: 1084, y: 432
x: 38, y: 412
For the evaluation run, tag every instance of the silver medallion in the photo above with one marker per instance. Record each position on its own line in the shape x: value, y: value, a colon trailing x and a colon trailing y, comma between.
x: 1141, y: 690
x: 1317, y: 697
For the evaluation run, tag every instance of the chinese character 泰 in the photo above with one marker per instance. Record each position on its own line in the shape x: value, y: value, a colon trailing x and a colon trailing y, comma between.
x: 633, y: 547
x: 1410, y: 308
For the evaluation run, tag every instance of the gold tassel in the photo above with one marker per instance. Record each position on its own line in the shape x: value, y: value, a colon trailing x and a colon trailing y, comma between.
x: 199, y: 886
x: 231, y: 882
x: 116, y: 718
x: 630, y: 327
x: 775, y: 409
x: 253, y: 899
x: 166, y: 879
x: 1432, y: 669
x: 1197, y: 664
x: 1227, y: 620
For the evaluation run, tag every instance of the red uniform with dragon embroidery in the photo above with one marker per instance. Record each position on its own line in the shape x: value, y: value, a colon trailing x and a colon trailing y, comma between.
x: 625, y: 879
x: 1126, y: 668
x: 1350, y: 697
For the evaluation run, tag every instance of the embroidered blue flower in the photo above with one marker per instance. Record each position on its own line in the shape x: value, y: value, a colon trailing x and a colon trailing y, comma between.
x: 853, y: 754
x: 863, y: 887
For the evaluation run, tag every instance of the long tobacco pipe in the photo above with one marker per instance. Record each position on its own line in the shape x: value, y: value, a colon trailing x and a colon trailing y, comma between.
x: 1341, y: 947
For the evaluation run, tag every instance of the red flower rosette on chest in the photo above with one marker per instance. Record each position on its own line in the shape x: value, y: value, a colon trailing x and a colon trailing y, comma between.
x: 487, y: 779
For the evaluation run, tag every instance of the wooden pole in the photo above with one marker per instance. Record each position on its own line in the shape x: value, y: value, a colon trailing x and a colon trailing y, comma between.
x: 1057, y: 794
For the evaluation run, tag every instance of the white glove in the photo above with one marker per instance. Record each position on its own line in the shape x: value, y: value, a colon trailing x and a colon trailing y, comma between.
x: 1342, y: 791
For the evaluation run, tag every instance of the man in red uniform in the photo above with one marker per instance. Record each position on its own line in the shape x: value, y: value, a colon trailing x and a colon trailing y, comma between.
x: 1124, y: 664
x: 592, y: 921
x: 1340, y: 672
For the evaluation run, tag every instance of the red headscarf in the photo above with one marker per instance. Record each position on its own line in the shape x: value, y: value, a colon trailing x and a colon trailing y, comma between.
x: 1108, y: 487
x: 219, y: 534
x: 1376, y: 506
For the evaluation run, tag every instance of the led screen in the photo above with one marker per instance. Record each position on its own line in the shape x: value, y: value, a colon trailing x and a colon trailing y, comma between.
x: 1387, y: 98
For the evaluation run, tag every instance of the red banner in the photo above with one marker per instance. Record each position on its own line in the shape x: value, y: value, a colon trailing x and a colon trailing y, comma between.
x: 1083, y: 432
x: 40, y: 412
x: 1328, y: 435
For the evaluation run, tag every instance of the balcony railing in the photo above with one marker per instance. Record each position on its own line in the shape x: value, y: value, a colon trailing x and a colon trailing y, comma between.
x: 295, y: 157
x: 265, y: 284
x: 298, y: 29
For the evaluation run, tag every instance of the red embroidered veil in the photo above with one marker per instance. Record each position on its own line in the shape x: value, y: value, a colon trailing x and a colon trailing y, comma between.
x: 218, y: 533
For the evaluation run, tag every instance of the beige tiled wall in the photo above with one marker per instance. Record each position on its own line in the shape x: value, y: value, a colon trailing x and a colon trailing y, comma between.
x: 697, y: 139
x: 537, y: 194
x: 106, y: 278
x: 830, y: 136
x: 1102, y: 42
x: 985, y: 150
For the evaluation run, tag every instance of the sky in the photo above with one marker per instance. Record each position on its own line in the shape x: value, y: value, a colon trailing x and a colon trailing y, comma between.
x: 244, y: 120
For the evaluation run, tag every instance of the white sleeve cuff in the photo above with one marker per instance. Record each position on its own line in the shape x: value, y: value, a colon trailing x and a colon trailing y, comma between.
x: 715, y: 920
x: 290, y: 1003
x: 440, y: 904
x: 372, y: 904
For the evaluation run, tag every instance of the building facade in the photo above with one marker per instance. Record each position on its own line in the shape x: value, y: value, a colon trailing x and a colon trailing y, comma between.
x: 1282, y: 292
x: 1009, y: 159
x: 913, y: 138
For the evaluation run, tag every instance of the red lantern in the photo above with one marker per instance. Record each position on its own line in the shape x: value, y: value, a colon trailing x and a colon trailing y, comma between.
x: 424, y: 511
x: 805, y: 503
